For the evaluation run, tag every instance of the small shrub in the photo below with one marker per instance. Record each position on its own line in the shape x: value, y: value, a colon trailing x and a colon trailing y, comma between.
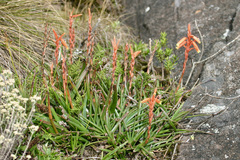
x: 14, y: 118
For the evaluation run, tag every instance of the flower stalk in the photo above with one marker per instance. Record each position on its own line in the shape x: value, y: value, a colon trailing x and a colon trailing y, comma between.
x: 57, y: 40
x: 151, y: 102
x: 89, y: 43
x: 64, y: 73
x: 114, y: 63
x: 51, y: 75
x: 72, y: 34
x: 125, y: 63
x: 133, y: 55
x: 187, y: 43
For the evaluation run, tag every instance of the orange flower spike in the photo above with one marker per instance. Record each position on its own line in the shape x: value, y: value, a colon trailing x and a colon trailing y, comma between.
x: 64, y: 43
x: 136, y: 53
x: 77, y: 15
x: 196, y: 39
x: 181, y: 44
x: 153, y: 98
x: 51, y: 67
x: 57, y: 44
x: 196, y: 47
x: 70, y: 16
x: 115, y: 48
x: 183, y: 40
x: 187, y: 42
x: 126, y: 47
x: 151, y: 102
x: 60, y: 37
x: 131, y: 50
x: 145, y: 100
x: 189, y: 29
x: 155, y: 91
x: 55, y: 34
x: 114, y: 44
x: 51, y: 76
x: 89, y: 32
x: 158, y: 101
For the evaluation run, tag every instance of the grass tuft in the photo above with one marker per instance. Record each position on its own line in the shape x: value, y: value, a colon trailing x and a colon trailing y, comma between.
x: 22, y: 31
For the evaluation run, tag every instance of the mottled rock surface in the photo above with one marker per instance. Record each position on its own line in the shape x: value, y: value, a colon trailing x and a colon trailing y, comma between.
x: 218, y: 92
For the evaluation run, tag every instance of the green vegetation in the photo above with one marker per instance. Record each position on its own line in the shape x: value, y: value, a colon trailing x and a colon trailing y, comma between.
x: 165, y: 56
x: 107, y: 116
x: 97, y: 105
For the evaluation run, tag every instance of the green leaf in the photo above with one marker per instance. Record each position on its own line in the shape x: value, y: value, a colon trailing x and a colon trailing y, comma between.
x: 169, y: 120
x: 109, y: 155
x: 77, y: 124
x: 56, y: 117
x: 114, y: 100
x: 81, y: 77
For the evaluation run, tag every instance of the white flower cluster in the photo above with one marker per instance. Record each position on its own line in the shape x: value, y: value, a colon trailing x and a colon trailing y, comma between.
x: 15, y: 157
x: 14, y: 119
x: 35, y: 98
x: 33, y: 128
x: 5, y: 79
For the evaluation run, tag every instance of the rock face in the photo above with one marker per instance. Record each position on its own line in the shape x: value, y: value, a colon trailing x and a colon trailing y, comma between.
x: 218, y: 92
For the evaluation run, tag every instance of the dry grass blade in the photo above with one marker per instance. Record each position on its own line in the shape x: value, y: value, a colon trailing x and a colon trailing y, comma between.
x: 22, y: 24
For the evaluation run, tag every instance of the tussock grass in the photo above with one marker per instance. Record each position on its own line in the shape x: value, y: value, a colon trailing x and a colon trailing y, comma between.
x: 22, y: 26
x: 22, y: 30
x: 101, y: 6
x: 105, y: 23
